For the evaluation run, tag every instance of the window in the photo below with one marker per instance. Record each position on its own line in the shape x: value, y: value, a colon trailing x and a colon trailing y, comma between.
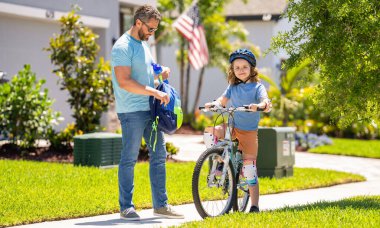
x: 126, y: 18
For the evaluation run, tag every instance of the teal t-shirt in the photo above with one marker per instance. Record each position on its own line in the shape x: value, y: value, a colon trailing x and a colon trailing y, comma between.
x: 127, y: 51
x: 245, y: 94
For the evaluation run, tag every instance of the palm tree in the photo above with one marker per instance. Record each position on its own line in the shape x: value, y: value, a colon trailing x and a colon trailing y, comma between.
x: 281, y: 94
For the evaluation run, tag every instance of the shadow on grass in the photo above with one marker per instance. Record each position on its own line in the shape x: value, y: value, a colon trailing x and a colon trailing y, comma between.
x: 356, y: 203
x: 115, y: 222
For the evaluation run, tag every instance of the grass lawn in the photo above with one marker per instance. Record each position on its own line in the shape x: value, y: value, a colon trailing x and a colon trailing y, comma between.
x: 360, y: 211
x: 39, y: 191
x: 351, y: 147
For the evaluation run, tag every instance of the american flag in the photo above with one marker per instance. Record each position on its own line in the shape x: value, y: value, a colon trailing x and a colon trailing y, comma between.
x: 188, y: 24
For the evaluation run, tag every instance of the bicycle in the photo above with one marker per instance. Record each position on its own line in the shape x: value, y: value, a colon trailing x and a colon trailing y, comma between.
x: 216, y: 193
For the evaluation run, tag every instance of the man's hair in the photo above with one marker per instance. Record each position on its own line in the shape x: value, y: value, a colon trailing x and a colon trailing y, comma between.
x: 145, y: 13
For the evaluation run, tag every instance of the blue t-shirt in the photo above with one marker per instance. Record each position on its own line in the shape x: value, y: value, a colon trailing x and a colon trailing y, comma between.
x: 127, y: 51
x: 245, y: 94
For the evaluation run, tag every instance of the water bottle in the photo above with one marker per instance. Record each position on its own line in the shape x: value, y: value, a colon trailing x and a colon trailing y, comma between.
x: 157, y: 68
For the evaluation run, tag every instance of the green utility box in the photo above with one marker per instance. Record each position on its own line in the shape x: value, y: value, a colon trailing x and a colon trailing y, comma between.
x: 97, y: 149
x: 276, y: 156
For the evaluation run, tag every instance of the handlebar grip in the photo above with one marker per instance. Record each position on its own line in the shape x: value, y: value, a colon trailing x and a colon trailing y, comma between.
x: 257, y: 110
x: 203, y: 107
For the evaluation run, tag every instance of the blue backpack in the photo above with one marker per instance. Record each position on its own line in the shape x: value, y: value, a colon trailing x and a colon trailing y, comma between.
x: 165, y: 118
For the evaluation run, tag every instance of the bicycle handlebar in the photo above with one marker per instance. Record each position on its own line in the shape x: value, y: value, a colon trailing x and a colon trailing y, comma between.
x: 244, y: 108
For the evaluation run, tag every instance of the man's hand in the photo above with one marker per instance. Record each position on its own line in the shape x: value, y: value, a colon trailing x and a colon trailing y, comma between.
x: 162, y: 96
x: 165, y: 73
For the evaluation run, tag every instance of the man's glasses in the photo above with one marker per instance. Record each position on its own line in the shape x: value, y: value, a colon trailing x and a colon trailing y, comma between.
x: 149, y: 28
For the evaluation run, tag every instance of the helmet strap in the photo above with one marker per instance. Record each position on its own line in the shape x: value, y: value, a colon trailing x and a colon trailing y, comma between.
x: 238, y: 81
x: 249, y: 78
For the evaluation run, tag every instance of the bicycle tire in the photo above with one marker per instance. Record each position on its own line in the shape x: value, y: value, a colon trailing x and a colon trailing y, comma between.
x: 240, y: 206
x: 198, y: 201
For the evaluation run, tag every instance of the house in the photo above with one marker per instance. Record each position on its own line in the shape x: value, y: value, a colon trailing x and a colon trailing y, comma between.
x: 26, y: 27
x: 263, y: 20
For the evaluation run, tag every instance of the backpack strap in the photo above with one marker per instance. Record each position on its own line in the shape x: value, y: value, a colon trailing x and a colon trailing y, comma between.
x: 154, y: 129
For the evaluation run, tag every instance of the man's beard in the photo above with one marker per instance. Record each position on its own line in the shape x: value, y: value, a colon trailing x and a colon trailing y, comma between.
x: 142, y: 35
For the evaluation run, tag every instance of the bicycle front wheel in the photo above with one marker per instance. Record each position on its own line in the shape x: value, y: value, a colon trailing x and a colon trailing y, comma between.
x: 213, y: 192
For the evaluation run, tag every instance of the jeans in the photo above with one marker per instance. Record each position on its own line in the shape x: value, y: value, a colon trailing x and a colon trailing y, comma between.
x: 134, y: 126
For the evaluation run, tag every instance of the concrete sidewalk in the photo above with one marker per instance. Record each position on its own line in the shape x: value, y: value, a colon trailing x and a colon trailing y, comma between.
x: 190, y: 149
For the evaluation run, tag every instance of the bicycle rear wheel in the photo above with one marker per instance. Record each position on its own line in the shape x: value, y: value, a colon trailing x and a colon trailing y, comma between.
x: 242, y: 195
x: 212, y: 196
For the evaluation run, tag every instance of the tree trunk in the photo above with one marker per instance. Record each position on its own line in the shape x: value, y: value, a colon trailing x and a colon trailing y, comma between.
x: 199, y: 89
x: 182, y: 59
x: 182, y: 70
x: 187, y: 83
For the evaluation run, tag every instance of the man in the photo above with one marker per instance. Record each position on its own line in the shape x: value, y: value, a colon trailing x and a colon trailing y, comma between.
x: 133, y: 83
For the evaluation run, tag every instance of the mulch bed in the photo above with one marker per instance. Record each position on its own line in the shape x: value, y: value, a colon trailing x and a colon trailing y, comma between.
x: 13, y: 152
x: 46, y: 154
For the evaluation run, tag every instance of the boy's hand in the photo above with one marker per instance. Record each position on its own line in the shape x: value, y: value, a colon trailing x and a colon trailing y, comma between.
x: 268, y: 105
x: 208, y: 105
x: 253, y: 107
x: 263, y: 105
x: 214, y: 103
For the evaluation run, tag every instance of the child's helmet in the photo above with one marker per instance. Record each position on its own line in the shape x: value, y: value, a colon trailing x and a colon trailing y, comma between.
x: 243, y: 54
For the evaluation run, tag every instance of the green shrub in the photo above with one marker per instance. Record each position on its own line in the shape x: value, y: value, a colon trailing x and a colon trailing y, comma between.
x: 171, y: 149
x: 62, y: 140
x: 26, y: 113
x: 144, y: 151
x: 74, y: 52
x: 201, y: 121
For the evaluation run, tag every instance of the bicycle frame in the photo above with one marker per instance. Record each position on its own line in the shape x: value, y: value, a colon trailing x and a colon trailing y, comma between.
x: 217, y: 170
x: 225, y: 158
x: 230, y: 147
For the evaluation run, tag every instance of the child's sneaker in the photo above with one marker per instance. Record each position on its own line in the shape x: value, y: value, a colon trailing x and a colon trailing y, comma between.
x: 254, y: 209
x: 129, y: 214
x: 168, y: 212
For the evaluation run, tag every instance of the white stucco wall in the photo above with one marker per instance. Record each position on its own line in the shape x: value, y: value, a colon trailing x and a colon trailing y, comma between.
x: 22, y: 42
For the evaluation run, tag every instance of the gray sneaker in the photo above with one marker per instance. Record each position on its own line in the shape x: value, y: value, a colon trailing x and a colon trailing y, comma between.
x: 168, y: 212
x: 130, y: 214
